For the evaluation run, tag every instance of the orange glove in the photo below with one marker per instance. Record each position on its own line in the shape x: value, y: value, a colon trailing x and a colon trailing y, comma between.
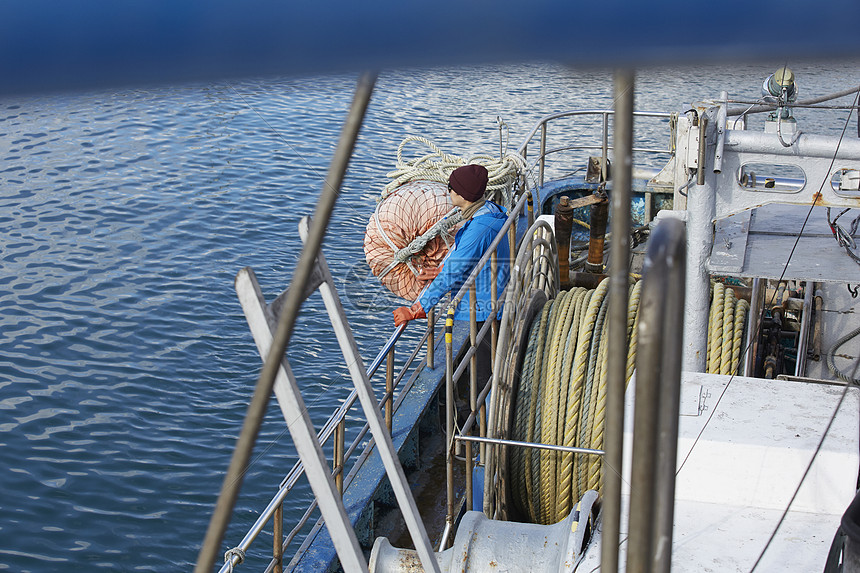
x: 404, y: 314
x: 429, y: 274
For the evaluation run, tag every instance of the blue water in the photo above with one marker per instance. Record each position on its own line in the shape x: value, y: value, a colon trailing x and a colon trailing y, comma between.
x: 126, y: 365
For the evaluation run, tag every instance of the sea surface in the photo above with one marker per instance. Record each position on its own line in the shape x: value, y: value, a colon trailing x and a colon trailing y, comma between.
x: 126, y: 365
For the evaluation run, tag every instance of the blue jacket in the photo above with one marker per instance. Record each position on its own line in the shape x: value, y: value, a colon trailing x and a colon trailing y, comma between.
x: 470, y: 244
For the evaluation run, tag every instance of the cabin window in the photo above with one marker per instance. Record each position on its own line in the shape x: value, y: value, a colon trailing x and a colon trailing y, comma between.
x: 771, y: 178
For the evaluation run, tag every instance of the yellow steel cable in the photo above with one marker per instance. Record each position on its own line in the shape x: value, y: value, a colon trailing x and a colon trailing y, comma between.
x: 633, y: 336
x: 538, y: 458
x: 716, y: 326
x: 531, y: 455
x: 521, y: 486
x: 590, y: 394
x: 567, y: 342
x: 737, y: 338
x: 633, y: 306
x: 711, y: 311
x: 553, y: 400
x: 545, y: 427
x: 560, y: 343
x: 549, y: 415
x: 566, y: 462
x: 726, y: 337
x: 578, y: 378
x: 596, y: 467
x: 599, y: 414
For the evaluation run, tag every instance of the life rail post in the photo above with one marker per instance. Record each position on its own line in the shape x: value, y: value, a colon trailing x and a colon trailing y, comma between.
x: 657, y: 400
x: 617, y: 333
x: 431, y: 337
x: 389, y: 389
x: 449, y: 426
x: 278, y: 539
x: 338, y: 461
x: 542, y: 156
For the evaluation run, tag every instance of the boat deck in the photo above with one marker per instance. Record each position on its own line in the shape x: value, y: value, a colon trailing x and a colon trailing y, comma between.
x: 737, y: 475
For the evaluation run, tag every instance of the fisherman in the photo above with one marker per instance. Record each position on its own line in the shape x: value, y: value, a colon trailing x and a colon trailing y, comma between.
x: 484, y: 219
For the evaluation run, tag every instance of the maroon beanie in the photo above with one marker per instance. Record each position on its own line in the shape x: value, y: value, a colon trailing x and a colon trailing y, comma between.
x: 469, y: 181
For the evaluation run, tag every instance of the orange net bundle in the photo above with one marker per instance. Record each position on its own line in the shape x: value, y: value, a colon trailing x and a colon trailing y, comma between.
x: 409, y: 232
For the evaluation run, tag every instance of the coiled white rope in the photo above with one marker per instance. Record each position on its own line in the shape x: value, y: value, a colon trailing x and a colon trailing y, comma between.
x: 437, y: 166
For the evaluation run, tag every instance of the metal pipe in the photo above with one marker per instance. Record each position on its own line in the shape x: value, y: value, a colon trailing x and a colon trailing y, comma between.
x: 597, y: 234
x: 263, y: 390
x: 805, y: 323
x: 563, y: 226
x: 533, y: 445
x: 473, y: 341
x: 278, y: 539
x: 494, y: 338
x: 431, y: 338
x: 703, y: 145
x: 617, y: 328
x: 751, y: 346
x: 701, y: 211
x: 669, y: 376
x: 604, y: 149
x: 473, y: 382
x: 389, y: 389
x: 449, y: 420
x: 339, y: 439
x: 657, y: 370
x: 721, y: 133
x: 542, y: 157
x: 469, y: 491
x: 814, y: 146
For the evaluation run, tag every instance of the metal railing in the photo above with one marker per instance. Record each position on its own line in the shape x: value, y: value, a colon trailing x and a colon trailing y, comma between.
x: 335, y: 426
x: 602, y: 146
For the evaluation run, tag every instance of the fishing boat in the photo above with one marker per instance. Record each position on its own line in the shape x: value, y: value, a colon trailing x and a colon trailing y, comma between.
x: 691, y: 408
x: 74, y: 55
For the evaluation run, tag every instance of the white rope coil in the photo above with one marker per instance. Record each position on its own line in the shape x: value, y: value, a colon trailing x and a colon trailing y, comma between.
x: 438, y: 165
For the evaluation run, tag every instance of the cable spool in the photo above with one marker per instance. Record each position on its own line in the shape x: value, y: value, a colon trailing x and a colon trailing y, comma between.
x: 560, y: 399
x: 726, y: 322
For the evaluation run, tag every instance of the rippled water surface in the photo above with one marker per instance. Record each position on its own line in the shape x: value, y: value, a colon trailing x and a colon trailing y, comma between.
x: 125, y: 361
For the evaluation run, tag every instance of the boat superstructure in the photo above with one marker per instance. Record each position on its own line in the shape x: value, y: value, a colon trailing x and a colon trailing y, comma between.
x: 740, y: 418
